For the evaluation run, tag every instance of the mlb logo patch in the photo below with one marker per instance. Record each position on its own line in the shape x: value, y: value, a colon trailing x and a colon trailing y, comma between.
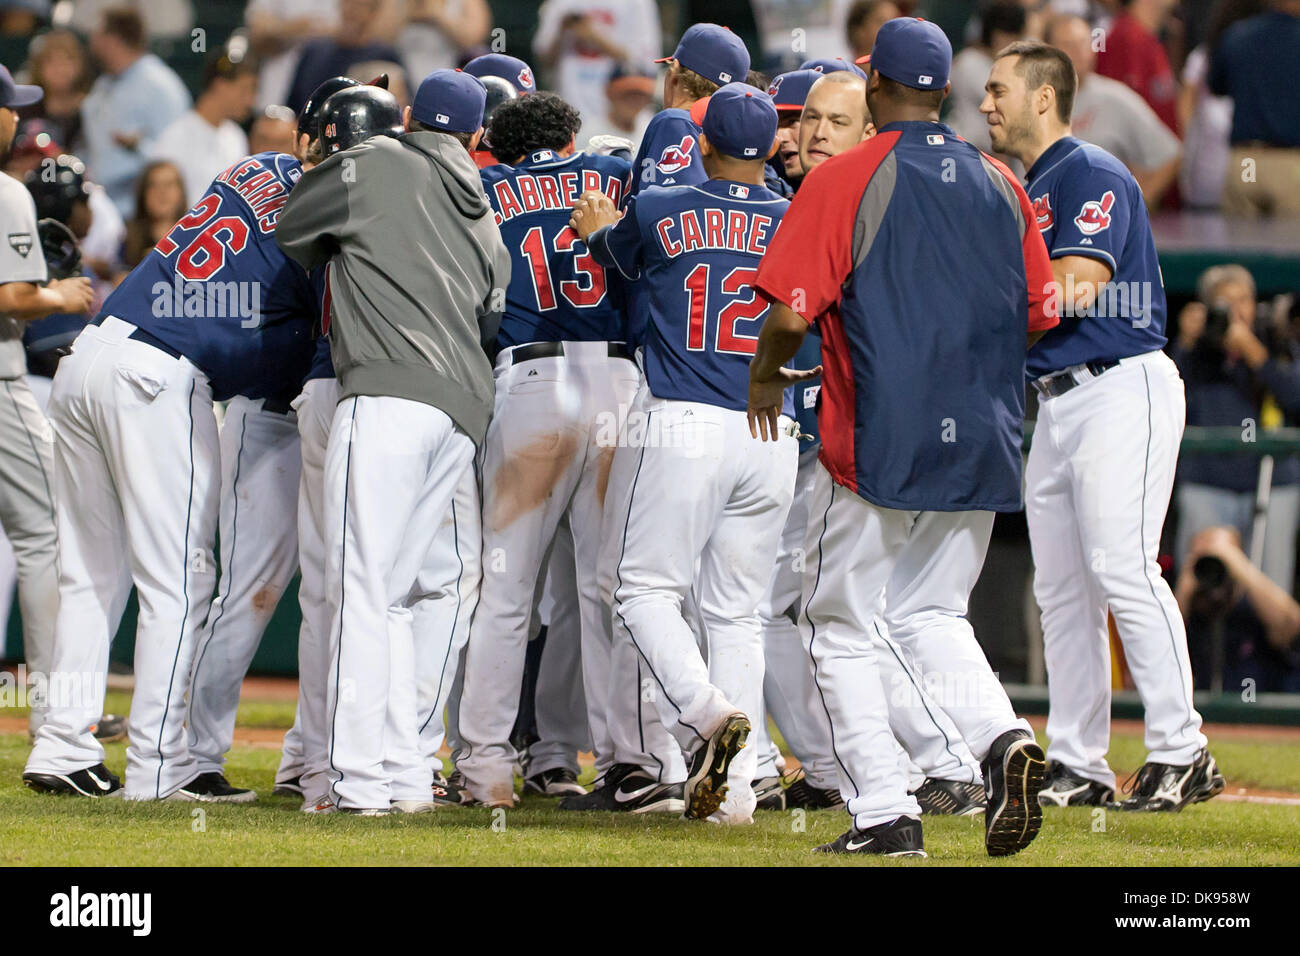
x: 725, y: 77
x: 935, y: 139
x: 441, y: 118
x: 751, y: 151
x: 543, y: 155
x: 738, y: 191
x: 925, y: 80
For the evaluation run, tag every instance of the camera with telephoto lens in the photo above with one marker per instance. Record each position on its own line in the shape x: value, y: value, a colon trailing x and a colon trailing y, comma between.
x: 1217, y: 318
x: 1213, y: 594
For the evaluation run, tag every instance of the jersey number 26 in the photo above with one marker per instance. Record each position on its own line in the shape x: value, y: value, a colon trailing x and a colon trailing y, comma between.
x: 205, y: 254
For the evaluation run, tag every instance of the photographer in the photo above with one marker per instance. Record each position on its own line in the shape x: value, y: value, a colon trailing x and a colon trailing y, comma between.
x: 1240, y: 371
x: 1260, y: 621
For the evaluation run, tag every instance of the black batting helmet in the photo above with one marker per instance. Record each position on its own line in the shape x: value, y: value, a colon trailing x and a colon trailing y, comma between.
x: 498, y: 91
x: 309, y: 118
x: 354, y: 115
x: 57, y: 185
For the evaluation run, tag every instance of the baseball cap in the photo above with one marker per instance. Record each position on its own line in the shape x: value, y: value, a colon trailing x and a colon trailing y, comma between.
x: 511, y: 68
x: 712, y: 51
x: 450, y: 100
x: 740, y: 121
x: 913, y: 52
x: 831, y: 65
x: 14, y: 94
x: 790, y: 90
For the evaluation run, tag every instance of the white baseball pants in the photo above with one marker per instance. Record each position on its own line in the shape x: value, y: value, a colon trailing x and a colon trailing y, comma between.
x: 707, y: 494
x: 548, y: 452
x: 260, y: 467
x: 392, y: 468
x: 305, y: 749
x: 916, y: 569
x: 1098, y: 481
x: 27, y: 514
x: 137, y: 456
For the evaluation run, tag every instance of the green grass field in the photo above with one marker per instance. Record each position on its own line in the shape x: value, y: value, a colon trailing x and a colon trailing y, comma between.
x: 39, y: 830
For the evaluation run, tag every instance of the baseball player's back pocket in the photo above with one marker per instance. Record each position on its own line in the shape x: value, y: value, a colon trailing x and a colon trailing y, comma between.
x: 139, y: 386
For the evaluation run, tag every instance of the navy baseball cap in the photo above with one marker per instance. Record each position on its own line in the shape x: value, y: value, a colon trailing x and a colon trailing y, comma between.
x: 740, y: 121
x: 450, y: 100
x: 828, y: 65
x: 790, y: 90
x: 511, y: 68
x: 913, y: 52
x: 14, y: 94
x: 712, y: 51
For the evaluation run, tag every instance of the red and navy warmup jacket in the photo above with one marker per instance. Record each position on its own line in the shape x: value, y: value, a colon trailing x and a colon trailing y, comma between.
x: 218, y: 290
x: 694, y: 251
x: 920, y: 260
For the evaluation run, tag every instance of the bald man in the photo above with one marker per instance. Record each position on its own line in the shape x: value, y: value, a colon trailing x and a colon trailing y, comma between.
x: 834, y: 118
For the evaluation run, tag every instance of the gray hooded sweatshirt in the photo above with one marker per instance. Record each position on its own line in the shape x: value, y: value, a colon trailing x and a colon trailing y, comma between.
x: 417, y: 270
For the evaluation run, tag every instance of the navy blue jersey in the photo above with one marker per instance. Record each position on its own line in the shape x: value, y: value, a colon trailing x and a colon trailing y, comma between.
x: 322, y: 363
x: 669, y: 154
x: 1088, y: 204
x: 557, y: 291
x: 805, y: 394
x: 218, y: 290
x: 695, y: 250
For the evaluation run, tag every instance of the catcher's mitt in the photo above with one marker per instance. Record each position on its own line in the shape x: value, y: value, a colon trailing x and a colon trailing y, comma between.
x: 62, y: 254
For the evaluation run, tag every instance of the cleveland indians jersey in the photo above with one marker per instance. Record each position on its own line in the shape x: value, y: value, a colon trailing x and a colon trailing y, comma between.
x: 695, y: 250
x: 557, y: 290
x: 1088, y: 204
x: 219, y: 291
x: 669, y: 154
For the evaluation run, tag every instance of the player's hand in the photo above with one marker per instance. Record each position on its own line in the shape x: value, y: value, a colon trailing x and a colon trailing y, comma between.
x: 767, y: 397
x: 76, y: 293
x: 592, y: 212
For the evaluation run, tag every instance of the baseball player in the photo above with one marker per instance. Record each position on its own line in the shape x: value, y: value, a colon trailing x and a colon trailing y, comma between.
x: 648, y: 770
x: 137, y: 448
x: 701, y: 494
x: 830, y: 117
x: 1100, y: 472
x: 562, y: 373
x: 505, y: 78
x: 931, y: 370
x: 26, y: 462
x: 411, y: 300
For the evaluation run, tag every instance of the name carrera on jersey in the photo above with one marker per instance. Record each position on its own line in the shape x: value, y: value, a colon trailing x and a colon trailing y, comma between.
x: 692, y: 230
x: 264, y: 193
x: 543, y: 192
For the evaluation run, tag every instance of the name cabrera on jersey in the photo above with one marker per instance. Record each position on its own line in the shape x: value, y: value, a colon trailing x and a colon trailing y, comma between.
x: 1088, y: 204
x: 557, y: 292
x: 694, y: 252
x: 218, y: 290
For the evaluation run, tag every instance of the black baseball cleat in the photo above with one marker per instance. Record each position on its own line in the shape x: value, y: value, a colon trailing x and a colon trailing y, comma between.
x: 949, y: 798
x: 451, y: 791
x: 288, y: 788
x: 803, y: 795
x: 626, y: 788
x: 1165, y: 788
x: 109, y: 728
x: 213, y: 787
x: 901, y: 837
x: 770, y: 793
x: 96, y: 781
x: 706, y: 779
x: 557, y: 782
x: 1013, y: 777
x: 1062, y: 787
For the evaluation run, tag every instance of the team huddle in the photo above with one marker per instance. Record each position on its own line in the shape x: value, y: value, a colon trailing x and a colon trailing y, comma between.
x: 730, y: 418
